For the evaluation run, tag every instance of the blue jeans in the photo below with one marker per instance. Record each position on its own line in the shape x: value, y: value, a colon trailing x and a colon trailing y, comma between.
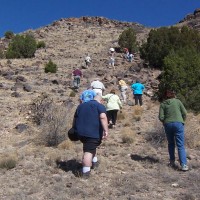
x: 76, y: 81
x: 175, y: 134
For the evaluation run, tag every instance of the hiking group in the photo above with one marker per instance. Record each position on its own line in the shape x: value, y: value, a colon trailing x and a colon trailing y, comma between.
x: 96, y: 113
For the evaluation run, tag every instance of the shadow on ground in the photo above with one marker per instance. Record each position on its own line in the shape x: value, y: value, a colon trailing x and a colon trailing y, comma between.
x: 71, y: 165
x: 144, y: 159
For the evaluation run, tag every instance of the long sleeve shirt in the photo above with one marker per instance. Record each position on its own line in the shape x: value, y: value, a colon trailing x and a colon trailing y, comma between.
x: 172, y: 110
x: 113, y: 102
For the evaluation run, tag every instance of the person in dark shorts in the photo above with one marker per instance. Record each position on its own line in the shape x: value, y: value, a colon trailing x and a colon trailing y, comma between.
x: 90, y: 122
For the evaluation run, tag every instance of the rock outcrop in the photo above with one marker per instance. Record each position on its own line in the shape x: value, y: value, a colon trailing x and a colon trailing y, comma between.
x: 192, y: 20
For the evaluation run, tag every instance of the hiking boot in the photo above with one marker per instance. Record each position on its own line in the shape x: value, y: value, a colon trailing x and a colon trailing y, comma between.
x: 184, y: 168
x: 95, y: 165
x: 172, y: 164
x: 110, y: 125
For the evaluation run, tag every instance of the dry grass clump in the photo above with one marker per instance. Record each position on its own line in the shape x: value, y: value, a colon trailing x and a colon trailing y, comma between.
x: 52, y: 118
x: 67, y: 144
x: 121, y: 115
x: 192, y: 131
x: 8, y: 161
x: 149, y: 105
x: 128, y: 135
x: 137, y: 110
x: 51, y: 158
x: 137, y: 113
x: 156, y: 136
x: 126, y: 123
x: 54, y: 127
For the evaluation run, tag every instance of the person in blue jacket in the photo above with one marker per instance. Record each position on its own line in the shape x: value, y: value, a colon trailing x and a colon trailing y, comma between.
x: 138, y: 88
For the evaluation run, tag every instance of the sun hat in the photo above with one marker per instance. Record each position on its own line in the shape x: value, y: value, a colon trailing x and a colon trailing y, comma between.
x: 122, y: 82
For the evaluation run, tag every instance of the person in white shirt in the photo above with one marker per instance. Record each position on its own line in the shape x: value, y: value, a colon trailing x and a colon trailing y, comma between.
x: 112, y: 62
x: 98, y: 86
x: 87, y: 61
x: 130, y: 57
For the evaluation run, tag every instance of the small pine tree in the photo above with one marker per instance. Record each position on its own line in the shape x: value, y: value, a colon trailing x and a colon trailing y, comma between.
x: 9, y: 35
x: 50, y: 67
x: 162, y: 41
x: 2, y: 55
x: 181, y: 73
x: 41, y: 44
x: 21, y: 47
x: 127, y: 39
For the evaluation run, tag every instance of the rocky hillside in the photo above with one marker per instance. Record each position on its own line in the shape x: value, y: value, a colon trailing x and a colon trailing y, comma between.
x: 133, y: 159
x: 192, y: 20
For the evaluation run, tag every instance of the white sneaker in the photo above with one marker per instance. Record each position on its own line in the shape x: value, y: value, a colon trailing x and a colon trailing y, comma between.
x: 184, y: 168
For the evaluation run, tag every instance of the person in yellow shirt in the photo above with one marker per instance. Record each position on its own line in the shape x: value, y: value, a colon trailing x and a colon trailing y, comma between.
x: 113, y: 105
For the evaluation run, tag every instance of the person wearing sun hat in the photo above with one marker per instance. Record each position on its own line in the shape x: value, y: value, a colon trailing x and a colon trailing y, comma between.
x: 98, y: 86
x: 123, y: 88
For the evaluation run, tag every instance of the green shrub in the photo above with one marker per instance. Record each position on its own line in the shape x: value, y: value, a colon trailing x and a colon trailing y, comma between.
x: 9, y: 35
x: 72, y: 94
x: 2, y: 55
x: 127, y: 39
x: 162, y: 41
x: 8, y: 162
x: 41, y: 44
x: 21, y: 47
x: 50, y: 67
x: 181, y: 73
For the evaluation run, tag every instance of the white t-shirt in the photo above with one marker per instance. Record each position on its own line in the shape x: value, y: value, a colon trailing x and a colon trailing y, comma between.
x: 130, y: 55
x: 88, y: 59
x: 97, y: 85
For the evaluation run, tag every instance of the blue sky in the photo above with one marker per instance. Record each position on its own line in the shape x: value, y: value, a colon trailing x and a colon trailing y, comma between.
x: 21, y: 15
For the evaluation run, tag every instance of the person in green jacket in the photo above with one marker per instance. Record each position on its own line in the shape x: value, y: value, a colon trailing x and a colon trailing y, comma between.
x: 113, y: 105
x: 173, y: 114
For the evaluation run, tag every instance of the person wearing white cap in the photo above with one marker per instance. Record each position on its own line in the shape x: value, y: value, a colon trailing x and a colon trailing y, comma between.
x: 111, y: 52
x: 112, y: 49
x: 98, y: 86
x: 87, y: 61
